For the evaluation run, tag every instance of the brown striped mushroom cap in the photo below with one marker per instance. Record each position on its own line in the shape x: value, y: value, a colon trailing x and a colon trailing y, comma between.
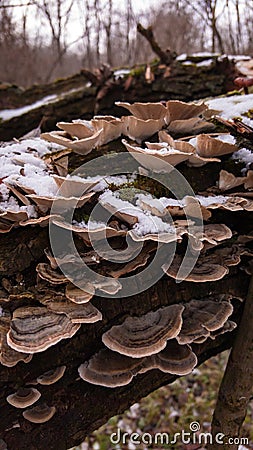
x: 51, y: 376
x: 39, y: 414
x: 112, y: 369
x: 201, y: 317
x: 145, y: 111
x: 34, y: 329
x: 82, y: 146
x: 147, y: 334
x: 24, y: 397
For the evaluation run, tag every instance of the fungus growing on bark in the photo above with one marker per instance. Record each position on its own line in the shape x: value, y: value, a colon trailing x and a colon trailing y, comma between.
x: 34, y: 329
x: 145, y: 335
x: 154, y: 159
x: 39, y: 414
x: 52, y: 376
x: 81, y: 146
x: 81, y: 129
x: 139, y: 261
x: 145, y: 111
x: 80, y: 296
x: 138, y: 129
x: 229, y: 181
x: 8, y: 356
x: 77, y: 313
x: 72, y: 186
x: 112, y: 128
x: 91, y: 231
x: 24, y: 397
x: 207, y: 146
x: 111, y: 369
x: 60, y: 203
x: 244, y: 83
x: 48, y: 274
x: 175, y: 359
x: 178, y: 110
x: 201, y: 317
x: 202, y: 272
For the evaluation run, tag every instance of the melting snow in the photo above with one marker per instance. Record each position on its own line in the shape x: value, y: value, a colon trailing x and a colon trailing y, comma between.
x: 147, y: 224
x: 7, y: 114
x: 90, y: 225
x: 245, y: 156
x: 226, y: 138
x: 206, y: 201
x: 104, y: 182
x: 233, y: 106
x: 12, y: 205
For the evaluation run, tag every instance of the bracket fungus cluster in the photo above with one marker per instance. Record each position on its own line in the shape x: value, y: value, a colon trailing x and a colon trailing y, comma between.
x: 47, y: 308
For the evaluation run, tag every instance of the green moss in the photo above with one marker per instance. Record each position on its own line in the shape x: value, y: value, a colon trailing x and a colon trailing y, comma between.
x: 81, y: 216
x: 138, y: 71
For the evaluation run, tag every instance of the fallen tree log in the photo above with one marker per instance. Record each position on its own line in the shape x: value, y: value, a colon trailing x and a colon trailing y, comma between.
x: 86, y: 94
x: 33, y: 282
x: 81, y: 407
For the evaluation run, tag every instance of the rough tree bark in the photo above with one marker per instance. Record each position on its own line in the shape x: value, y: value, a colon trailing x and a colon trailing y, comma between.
x: 236, y: 387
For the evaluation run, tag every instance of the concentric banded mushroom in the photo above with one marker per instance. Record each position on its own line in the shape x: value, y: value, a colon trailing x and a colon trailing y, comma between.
x: 145, y: 335
x: 34, y: 329
x: 24, y: 397
x: 201, y: 317
x: 202, y: 272
x: 112, y: 369
x: 39, y: 414
x: 52, y: 376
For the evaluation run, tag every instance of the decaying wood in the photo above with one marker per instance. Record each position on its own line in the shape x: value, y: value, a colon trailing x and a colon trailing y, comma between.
x: 77, y: 99
x: 236, y: 387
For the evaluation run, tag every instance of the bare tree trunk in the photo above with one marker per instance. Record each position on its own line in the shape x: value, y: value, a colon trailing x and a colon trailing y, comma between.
x: 236, y: 387
x: 108, y: 32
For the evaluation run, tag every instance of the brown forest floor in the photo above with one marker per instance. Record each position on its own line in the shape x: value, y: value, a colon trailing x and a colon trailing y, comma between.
x: 169, y: 410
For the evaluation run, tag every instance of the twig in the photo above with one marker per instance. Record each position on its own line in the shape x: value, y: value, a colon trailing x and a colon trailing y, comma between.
x: 166, y: 57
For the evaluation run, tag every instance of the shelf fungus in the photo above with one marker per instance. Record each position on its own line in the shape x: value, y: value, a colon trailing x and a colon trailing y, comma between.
x: 77, y: 313
x: 139, y: 129
x: 82, y: 146
x: 73, y: 186
x: 8, y: 356
x: 91, y: 230
x: 34, y: 329
x: 202, y: 272
x: 208, y: 146
x: 119, y: 225
x: 145, y: 111
x: 24, y: 397
x: 51, y: 376
x: 203, y: 317
x: 39, y: 414
x: 228, y: 181
x: 147, y: 334
x: 155, y: 155
x: 112, y: 369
